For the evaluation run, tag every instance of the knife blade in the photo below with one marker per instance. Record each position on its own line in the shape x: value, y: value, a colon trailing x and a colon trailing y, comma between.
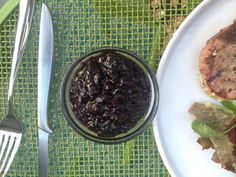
x: 45, y: 59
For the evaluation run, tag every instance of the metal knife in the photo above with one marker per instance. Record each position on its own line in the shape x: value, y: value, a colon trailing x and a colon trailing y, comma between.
x: 45, y: 59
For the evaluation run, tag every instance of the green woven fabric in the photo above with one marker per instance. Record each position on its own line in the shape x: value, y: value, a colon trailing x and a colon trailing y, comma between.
x: 6, y: 7
x: 141, y: 26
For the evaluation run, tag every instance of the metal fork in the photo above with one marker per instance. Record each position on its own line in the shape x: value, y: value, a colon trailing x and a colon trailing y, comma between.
x: 10, y: 126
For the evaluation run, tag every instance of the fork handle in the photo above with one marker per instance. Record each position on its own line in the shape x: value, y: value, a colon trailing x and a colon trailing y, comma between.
x: 26, y: 8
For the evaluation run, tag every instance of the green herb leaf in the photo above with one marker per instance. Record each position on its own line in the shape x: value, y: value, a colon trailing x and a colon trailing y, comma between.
x: 229, y: 105
x: 226, y: 110
x: 204, y: 130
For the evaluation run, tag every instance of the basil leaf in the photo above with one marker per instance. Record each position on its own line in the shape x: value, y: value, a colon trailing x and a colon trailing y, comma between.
x: 229, y: 105
x: 204, y: 130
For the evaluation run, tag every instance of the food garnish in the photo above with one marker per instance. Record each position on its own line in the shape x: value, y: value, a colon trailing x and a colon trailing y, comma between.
x: 216, y: 126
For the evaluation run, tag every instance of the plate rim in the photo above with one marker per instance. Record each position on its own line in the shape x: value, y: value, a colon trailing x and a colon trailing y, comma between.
x: 159, y: 72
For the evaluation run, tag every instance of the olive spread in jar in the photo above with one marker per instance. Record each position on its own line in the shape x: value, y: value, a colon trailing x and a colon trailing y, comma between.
x: 109, y: 93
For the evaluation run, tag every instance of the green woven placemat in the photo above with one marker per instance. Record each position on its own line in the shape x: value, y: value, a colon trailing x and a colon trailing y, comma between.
x: 6, y: 7
x: 141, y: 26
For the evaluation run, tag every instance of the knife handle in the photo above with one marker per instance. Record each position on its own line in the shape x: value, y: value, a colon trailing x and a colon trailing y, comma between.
x: 43, y: 153
x: 44, y: 71
x: 26, y: 8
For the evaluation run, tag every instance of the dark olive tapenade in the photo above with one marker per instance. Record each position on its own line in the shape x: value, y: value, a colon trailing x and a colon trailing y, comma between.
x: 109, y: 93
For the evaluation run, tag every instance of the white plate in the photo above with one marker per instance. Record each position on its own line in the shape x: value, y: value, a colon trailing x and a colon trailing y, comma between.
x: 179, y: 85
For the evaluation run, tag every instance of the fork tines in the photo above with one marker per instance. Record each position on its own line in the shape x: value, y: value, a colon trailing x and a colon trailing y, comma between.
x: 9, y: 144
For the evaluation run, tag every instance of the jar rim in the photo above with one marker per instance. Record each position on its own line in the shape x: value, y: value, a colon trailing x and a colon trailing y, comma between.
x: 110, y: 140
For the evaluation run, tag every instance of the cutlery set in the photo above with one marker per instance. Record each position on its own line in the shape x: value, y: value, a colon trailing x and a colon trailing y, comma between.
x: 11, y: 129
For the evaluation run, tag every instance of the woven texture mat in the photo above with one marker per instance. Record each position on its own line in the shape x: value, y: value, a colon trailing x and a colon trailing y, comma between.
x: 141, y: 26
